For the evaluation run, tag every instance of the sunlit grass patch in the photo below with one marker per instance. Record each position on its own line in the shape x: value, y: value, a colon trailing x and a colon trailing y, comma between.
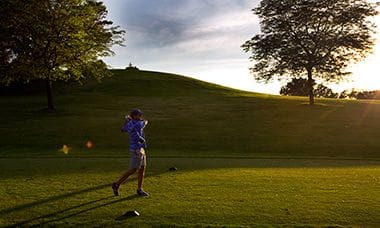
x: 220, y: 196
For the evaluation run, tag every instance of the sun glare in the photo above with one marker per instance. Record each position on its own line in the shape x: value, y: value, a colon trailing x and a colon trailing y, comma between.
x: 365, y: 75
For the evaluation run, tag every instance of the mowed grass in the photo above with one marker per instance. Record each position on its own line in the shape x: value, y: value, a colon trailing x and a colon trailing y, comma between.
x: 244, y: 159
x: 76, y: 191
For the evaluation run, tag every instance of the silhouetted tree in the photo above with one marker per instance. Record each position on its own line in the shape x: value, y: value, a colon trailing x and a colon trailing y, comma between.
x: 324, y: 91
x: 54, y: 40
x: 313, y: 38
x: 297, y: 87
x: 344, y: 94
x: 300, y: 87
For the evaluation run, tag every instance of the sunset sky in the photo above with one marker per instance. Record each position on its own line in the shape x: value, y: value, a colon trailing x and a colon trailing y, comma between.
x: 202, y: 39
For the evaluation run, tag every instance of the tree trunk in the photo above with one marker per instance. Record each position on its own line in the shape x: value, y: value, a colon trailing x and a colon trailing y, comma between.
x: 310, y: 83
x: 49, y: 94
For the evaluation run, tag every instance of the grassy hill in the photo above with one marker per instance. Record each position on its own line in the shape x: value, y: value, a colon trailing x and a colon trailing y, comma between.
x: 244, y: 159
x: 188, y: 118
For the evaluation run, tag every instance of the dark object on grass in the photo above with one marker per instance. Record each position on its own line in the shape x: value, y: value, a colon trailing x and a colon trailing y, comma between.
x: 130, y: 214
x: 173, y: 169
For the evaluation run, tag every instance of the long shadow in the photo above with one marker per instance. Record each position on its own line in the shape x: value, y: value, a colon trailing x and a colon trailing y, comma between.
x: 86, y: 210
x: 53, y: 198
x: 59, y: 212
x: 63, y: 196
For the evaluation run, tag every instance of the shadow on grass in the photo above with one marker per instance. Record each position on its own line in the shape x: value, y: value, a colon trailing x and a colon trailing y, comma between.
x: 57, y: 213
x: 27, y: 206
x: 53, y: 198
x: 79, y: 212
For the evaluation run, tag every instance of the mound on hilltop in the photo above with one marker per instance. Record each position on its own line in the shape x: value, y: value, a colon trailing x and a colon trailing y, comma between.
x: 130, y: 67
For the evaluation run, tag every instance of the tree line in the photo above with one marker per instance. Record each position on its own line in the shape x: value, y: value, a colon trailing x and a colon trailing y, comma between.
x: 360, y: 94
x: 299, y: 87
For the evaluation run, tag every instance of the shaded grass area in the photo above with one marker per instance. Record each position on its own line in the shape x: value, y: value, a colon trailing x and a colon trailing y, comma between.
x: 187, y: 118
x: 236, y: 192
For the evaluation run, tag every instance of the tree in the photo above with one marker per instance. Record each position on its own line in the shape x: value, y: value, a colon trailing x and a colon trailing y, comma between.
x: 300, y: 87
x: 313, y: 38
x: 54, y: 40
x: 297, y: 87
x: 324, y: 91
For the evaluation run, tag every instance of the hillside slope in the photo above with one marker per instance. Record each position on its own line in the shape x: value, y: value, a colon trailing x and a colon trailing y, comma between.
x: 187, y: 118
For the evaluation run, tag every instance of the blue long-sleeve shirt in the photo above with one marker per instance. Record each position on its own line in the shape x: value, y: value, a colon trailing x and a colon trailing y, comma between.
x: 135, y: 129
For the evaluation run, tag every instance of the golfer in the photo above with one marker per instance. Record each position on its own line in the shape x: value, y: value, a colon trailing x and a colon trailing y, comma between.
x: 134, y: 125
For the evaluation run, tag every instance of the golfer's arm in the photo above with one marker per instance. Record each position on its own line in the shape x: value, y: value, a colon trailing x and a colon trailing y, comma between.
x: 124, y: 127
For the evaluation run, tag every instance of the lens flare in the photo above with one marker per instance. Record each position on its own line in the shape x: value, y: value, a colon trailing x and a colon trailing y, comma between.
x: 89, y: 144
x: 65, y: 149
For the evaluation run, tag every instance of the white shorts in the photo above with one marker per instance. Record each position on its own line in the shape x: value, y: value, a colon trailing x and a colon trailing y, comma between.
x: 138, y: 159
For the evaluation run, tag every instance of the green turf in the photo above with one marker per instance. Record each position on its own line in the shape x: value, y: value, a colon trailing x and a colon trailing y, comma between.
x: 244, y: 159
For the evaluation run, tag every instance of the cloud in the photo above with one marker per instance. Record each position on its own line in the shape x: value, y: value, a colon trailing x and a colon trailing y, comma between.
x: 178, y: 29
x: 192, y: 37
x: 200, y: 38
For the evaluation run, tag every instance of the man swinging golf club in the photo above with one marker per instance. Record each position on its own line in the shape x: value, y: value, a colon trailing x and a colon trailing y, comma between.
x: 134, y: 125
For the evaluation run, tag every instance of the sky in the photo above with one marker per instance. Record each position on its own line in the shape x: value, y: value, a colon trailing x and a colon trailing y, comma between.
x: 202, y: 39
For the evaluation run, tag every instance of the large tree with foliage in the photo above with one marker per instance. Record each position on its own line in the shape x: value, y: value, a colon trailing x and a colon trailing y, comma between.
x: 310, y: 38
x: 54, y: 40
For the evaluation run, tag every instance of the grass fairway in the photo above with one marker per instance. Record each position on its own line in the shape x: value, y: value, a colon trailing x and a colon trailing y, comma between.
x: 244, y: 159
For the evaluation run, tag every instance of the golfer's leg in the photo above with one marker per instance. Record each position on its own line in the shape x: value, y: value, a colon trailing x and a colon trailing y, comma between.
x: 125, y: 176
x: 141, y: 178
